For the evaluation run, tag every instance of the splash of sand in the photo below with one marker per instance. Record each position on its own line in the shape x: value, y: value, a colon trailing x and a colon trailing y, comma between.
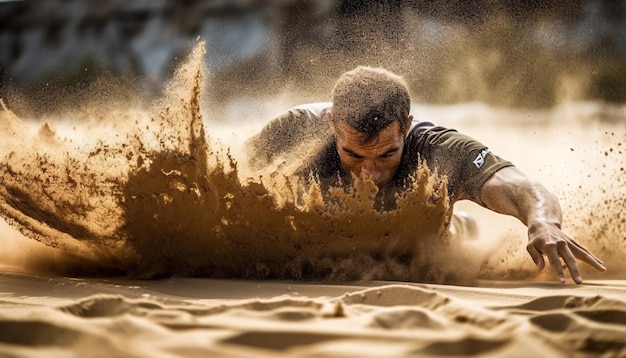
x: 148, y: 193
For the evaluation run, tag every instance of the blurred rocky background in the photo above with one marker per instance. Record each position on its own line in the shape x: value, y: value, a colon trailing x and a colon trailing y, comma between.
x: 515, y: 53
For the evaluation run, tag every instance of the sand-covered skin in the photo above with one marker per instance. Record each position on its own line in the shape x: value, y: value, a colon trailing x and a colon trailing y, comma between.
x: 198, y: 317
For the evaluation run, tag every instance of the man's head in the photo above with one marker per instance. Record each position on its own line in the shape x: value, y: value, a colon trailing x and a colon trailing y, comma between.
x: 370, y: 116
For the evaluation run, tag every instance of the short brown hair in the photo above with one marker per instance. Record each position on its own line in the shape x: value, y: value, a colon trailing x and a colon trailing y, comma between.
x: 370, y: 99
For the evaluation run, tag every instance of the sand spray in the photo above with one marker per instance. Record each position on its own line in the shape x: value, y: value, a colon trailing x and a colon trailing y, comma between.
x: 149, y: 191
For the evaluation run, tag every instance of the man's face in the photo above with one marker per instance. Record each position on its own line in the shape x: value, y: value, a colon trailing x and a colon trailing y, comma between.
x: 377, y: 160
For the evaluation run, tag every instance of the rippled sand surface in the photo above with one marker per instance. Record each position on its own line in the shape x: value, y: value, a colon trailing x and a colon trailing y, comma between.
x: 46, y: 316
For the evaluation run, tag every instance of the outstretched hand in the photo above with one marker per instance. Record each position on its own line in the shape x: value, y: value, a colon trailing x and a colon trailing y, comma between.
x: 548, y: 239
x: 511, y: 192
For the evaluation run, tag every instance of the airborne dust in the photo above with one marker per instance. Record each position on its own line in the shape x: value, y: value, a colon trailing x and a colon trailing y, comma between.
x: 148, y: 192
x: 153, y: 191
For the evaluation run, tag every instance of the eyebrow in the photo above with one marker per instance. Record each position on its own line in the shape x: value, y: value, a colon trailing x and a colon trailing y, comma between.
x: 391, y: 150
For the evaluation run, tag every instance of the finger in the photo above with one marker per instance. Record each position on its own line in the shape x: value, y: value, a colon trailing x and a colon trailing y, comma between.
x: 589, y: 258
x: 585, y: 251
x: 536, y: 255
x: 555, y: 261
x: 570, y: 261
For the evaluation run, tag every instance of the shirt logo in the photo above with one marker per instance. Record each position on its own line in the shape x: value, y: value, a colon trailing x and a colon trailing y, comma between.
x: 480, y: 158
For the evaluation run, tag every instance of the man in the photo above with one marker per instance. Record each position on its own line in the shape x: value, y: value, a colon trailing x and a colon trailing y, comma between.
x: 371, y: 135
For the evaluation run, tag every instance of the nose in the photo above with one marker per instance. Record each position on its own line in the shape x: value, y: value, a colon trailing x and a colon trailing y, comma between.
x: 369, y: 170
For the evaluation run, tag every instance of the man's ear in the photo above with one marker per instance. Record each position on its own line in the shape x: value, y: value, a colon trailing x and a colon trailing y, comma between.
x: 409, y: 119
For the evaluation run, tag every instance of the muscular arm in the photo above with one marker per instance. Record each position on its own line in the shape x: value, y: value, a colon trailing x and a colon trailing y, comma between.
x: 511, y: 192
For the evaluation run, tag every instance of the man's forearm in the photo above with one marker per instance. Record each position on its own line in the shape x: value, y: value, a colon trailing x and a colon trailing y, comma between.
x: 511, y: 192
